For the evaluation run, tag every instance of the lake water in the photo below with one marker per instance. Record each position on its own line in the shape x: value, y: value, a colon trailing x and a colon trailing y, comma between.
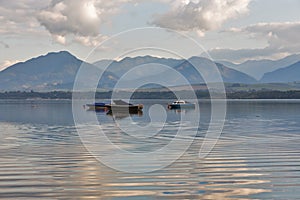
x: 256, y: 157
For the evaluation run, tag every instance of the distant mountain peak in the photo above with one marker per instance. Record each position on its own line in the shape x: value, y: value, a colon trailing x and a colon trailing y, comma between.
x: 283, y: 75
x: 61, y: 54
x: 55, y: 70
x: 257, y: 68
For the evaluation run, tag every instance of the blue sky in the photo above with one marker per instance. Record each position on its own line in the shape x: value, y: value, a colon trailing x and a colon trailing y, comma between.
x: 234, y: 30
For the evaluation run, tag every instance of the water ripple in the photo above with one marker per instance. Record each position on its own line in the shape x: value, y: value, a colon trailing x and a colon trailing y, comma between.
x: 255, y: 158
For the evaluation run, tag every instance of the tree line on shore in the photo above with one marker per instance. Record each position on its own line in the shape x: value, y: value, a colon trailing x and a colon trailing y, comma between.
x: 292, y: 94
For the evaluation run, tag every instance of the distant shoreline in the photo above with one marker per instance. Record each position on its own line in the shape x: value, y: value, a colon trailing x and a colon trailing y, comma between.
x: 261, y: 94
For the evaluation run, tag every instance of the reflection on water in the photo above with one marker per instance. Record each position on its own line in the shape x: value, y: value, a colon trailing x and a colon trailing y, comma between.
x: 124, y: 114
x: 257, y: 156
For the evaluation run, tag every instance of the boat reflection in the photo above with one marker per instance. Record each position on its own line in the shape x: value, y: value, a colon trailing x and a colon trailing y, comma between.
x: 121, y: 114
x: 181, y: 110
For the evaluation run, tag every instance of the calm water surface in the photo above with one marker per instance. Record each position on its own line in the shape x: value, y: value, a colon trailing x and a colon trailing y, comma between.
x: 256, y: 157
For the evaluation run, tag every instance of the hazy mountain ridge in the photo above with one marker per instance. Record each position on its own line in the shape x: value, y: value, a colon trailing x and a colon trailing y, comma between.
x: 283, y: 75
x: 48, y: 72
x: 184, y: 67
x: 207, y: 67
x: 57, y: 71
x: 119, y: 68
x: 257, y: 68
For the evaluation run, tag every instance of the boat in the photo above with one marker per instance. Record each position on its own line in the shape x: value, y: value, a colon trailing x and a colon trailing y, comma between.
x: 98, y: 107
x: 181, y: 104
x: 122, y: 106
x: 117, y: 106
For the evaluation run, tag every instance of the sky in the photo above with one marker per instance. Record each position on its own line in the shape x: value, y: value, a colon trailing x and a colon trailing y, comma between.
x: 232, y: 30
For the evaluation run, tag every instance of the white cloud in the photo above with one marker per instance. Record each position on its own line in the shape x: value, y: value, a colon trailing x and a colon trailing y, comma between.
x: 200, y: 15
x: 280, y: 36
x: 282, y: 40
x: 69, y: 21
x: 18, y: 17
x: 81, y: 20
x: 60, y: 39
x: 65, y: 20
x: 89, y: 41
x: 241, y: 55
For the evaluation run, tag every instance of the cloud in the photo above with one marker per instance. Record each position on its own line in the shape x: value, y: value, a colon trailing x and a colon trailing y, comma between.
x: 18, y: 17
x: 66, y: 20
x: 200, y: 15
x: 90, y: 41
x: 282, y: 36
x: 241, y: 55
x: 81, y: 20
x: 70, y: 21
x: 67, y: 16
x: 282, y: 39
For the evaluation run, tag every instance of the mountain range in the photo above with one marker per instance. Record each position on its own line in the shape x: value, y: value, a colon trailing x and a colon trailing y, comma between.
x: 156, y: 69
x: 283, y: 75
x: 58, y: 70
x: 257, y: 68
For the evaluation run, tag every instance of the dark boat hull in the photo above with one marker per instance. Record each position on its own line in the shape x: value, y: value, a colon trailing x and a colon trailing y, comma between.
x: 114, y: 107
x: 181, y: 106
x: 125, y: 108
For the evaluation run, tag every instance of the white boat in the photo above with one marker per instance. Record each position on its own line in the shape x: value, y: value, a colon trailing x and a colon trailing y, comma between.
x: 179, y: 104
